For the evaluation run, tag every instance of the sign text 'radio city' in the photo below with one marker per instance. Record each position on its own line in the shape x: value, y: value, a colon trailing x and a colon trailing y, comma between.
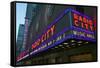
x: 83, y: 22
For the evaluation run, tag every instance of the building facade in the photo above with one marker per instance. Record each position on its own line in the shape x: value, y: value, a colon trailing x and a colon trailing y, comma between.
x: 20, y: 38
x: 71, y: 50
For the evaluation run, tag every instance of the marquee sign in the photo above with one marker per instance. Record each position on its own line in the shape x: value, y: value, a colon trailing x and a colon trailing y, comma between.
x: 83, y: 26
x: 70, y: 24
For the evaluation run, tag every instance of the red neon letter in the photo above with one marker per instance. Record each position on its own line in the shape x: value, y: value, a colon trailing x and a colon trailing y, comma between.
x: 43, y: 38
x: 33, y: 46
x: 80, y: 18
x: 86, y: 25
x: 75, y: 16
x: 48, y: 33
x: 52, y: 29
x: 76, y: 22
x: 84, y: 20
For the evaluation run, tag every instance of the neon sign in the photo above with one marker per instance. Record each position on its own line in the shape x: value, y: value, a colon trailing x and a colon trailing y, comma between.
x: 83, y: 26
x: 83, y: 34
x: 50, y: 43
x: 83, y: 22
x: 48, y: 34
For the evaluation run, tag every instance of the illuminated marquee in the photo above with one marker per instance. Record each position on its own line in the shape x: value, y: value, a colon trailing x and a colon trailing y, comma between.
x: 74, y: 26
x: 83, y: 26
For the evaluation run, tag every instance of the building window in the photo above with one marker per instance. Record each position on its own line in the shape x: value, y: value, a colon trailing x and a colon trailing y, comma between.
x: 37, y: 26
x: 49, y: 10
